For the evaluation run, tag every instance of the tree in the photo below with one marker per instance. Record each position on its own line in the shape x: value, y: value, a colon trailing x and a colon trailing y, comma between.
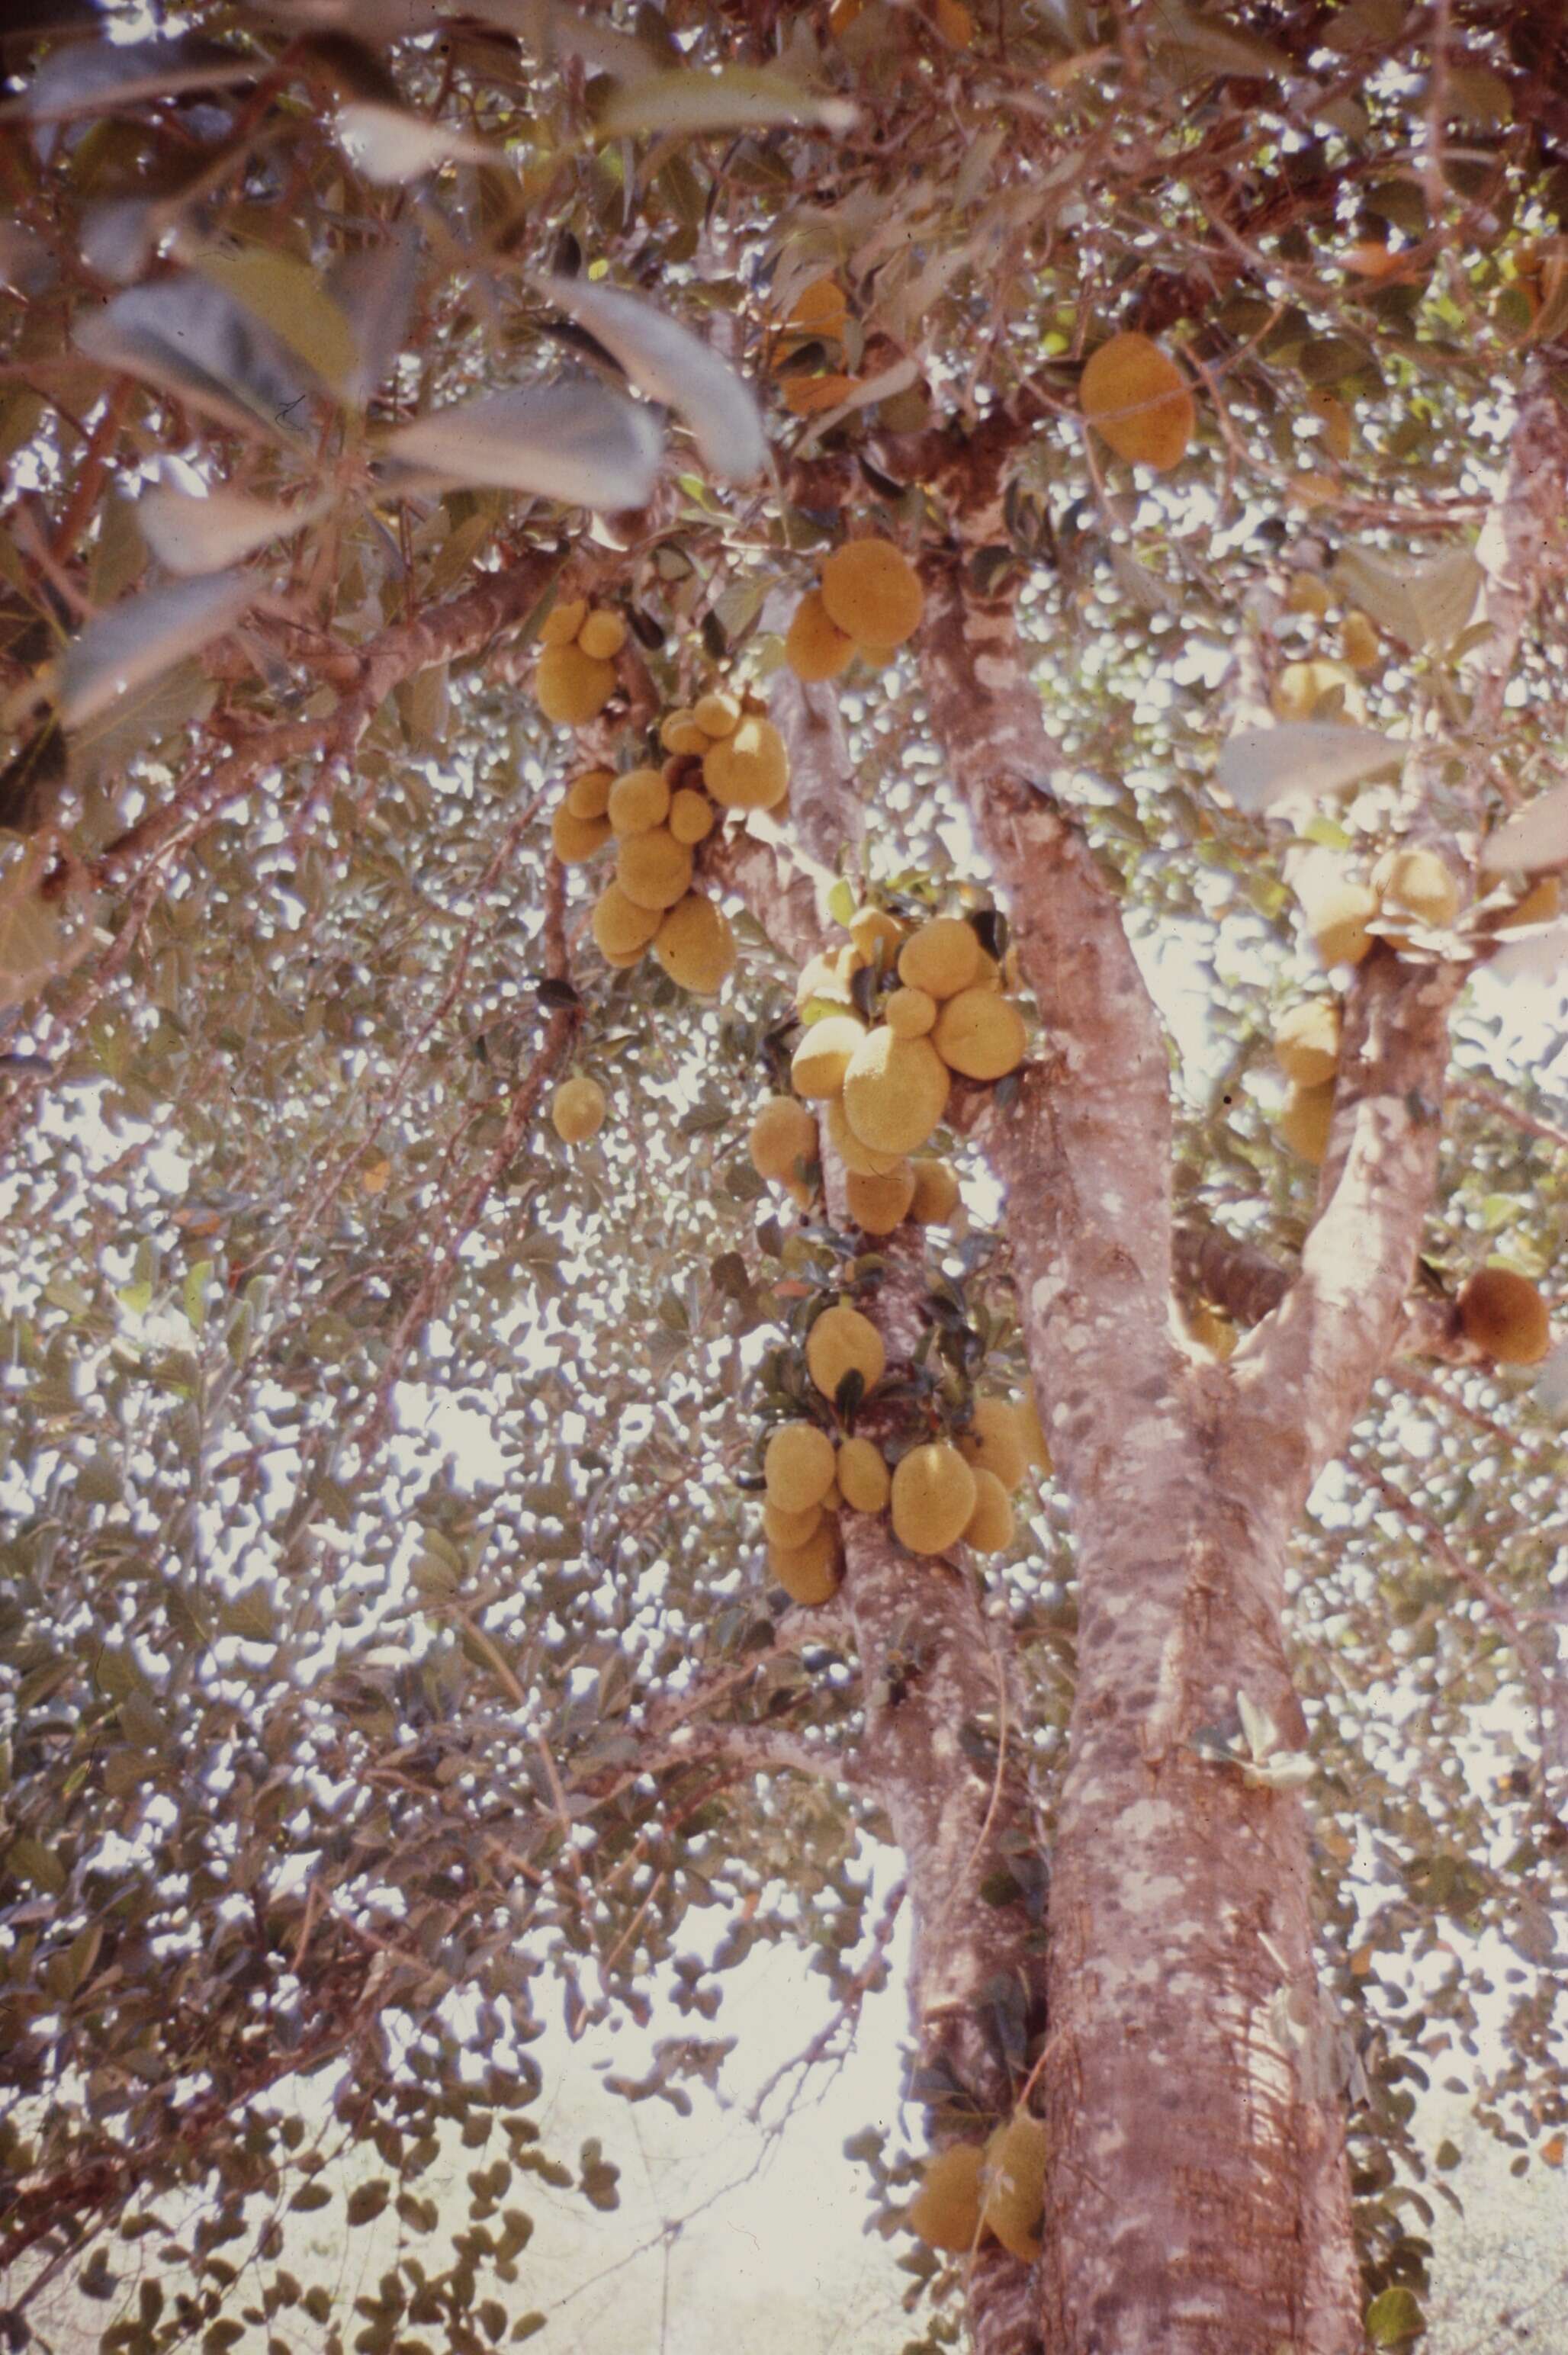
x: 388, y: 1628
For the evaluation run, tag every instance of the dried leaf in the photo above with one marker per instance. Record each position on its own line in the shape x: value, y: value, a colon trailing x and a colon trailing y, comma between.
x: 577, y: 442
x: 667, y: 361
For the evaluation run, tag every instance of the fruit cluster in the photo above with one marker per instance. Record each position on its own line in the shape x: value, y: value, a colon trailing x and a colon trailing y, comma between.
x: 575, y: 675
x: 971, y: 2188
x: 867, y: 601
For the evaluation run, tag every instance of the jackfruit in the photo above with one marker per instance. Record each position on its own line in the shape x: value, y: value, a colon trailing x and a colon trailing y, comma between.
x: 695, y: 944
x: 1337, y: 920
x: 895, y: 1090
x: 936, y: 1193
x: 878, y: 1205
x: 945, y: 2212
x: 863, y: 1476
x: 571, y: 688
x: 1504, y: 1315
x: 990, y: 1528
x: 748, y: 770
x: 589, y: 794
x: 782, y: 1529
x: 621, y: 928
x: 1306, y: 1043
x: 909, y: 1013
x: 577, y: 1110
x: 1135, y: 398
x: 561, y: 623
x: 1542, y: 904
x: 858, y: 1159
x: 1308, y: 594
x: 815, y: 647
x: 691, y: 815
x: 980, y: 1035
x: 808, y: 1573
x: 654, y: 869
x: 678, y: 732
x: 871, y: 930
x: 1013, y: 2184
x: 638, y: 802
x: 827, y: 978
x: 942, y: 957
x: 575, y: 841
x: 1033, y: 1433
x: 933, y: 1496
x: 603, y: 635
x: 843, y: 1342
x: 873, y: 592
x: 1360, y: 642
x: 1304, y: 1123
x: 995, y: 1443
x: 823, y: 1055
x: 716, y: 713
x: 782, y: 1134
x: 798, y: 1467
x: 1419, y: 884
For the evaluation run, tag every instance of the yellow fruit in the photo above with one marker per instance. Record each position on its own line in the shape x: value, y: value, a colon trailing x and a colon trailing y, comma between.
x: 873, y: 592
x: 878, y: 1205
x: 1337, y: 920
x: 621, y: 929
x: 1504, y: 1315
x: 1302, y: 687
x: 798, y: 1467
x: 843, y: 1342
x: 945, y: 2212
x: 990, y: 1528
x: 691, y: 815
x: 815, y: 647
x: 1013, y: 2184
x: 1306, y: 1043
x: 678, y: 732
x: 561, y: 623
x: 876, y: 657
x: 980, y: 1035
x: 654, y: 869
x: 1305, y: 1121
x: 603, y: 635
x: 826, y: 977
x: 782, y: 1529
x: 1033, y: 1433
x: 577, y: 1110
x: 1308, y: 594
x: 995, y: 1443
x: 750, y: 769
x: 987, y: 974
x: 1542, y: 904
x: 936, y: 1193
x: 858, y: 1159
x: 716, y: 713
x: 909, y: 1013
x: 933, y: 1496
x: 695, y: 944
x: 575, y: 841
x: 808, y: 1573
x: 942, y: 957
x: 589, y: 794
x: 872, y: 929
x: 823, y: 1055
x: 782, y: 1134
x: 571, y: 686
x: 1136, y: 399
x: 863, y: 1477
x: 895, y: 1090
x: 1360, y: 642
x: 638, y: 802
x: 1418, y: 883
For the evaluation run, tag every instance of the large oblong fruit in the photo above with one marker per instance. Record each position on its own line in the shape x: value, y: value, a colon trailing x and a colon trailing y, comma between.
x: 858, y: 1159
x: 895, y: 1090
x: 588, y: 795
x: 1337, y: 920
x: 691, y: 814
x: 782, y: 1529
x: 638, y: 802
x: 571, y: 686
x: 873, y: 592
x: 980, y: 1035
x: 994, y: 1440
x: 843, y: 1342
x: 748, y: 770
x: 938, y: 1193
x: 575, y: 839
x: 1135, y: 398
x: 782, y: 1134
x: 878, y: 1205
x: 577, y: 1110
x: 1012, y: 2184
x: 933, y: 1498
x: 695, y: 944
x: 942, y: 957
x: 823, y: 1055
x: 809, y: 1572
x: 990, y: 1528
x: 621, y: 928
x: 654, y: 869
x: 863, y: 1476
x: 1504, y: 1315
x: 798, y: 1467
x: 1306, y: 1043
x: 815, y: 646
x: 945, y: 2212
x: 1306, y: 1121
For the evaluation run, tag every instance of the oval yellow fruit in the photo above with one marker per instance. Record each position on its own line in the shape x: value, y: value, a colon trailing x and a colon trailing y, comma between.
x: 895, y: 1090
x: 577, y: 1110
x: 933, y: 1498
x: 873, y: 592
x: 841, y: 1342
x: 798, y: 1467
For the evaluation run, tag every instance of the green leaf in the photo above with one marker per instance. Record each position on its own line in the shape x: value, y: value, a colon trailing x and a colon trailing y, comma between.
x: 1394, y: 2317
x: 29, y: 1861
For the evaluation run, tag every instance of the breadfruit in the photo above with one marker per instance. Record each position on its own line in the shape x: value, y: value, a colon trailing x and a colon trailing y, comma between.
x: 933, y: 1496
x: 936, y: 1193
x: 1306, y: 1043
x: 945, y: 2212
x: 639, y: 801
x: 863, y: 1476
x: 577, y: 1110
x: 858, y: 1159
x: 571, y: 686
x: 1013, y: 2184
x: 990, y: 1528
x: 575, y: 841
x: 843, y: 1342
x: 911, y: 1012
x: 895, y: 1090
x: 561, y: 623
x: 678, y: 732
x: 716, y: 713
x: 1505, y: 1316
x: 1304, y: 1123
x: 878, y: 1205
x: 798, y: 1467
x: 695, y: 944
x: 782, y: 1134
x: 782, y: 1529
x: 942, y: 957
x: 872, y: 929
x: 1542, y: 904
x: 589, y: 794
x: 748, y: 770
x: 819, y: 1063
x: 654, y: 869
x: 1360, y: 642
x: 621, y: 928
x: 1419, y: 884
x: 981, y: 1034
x: 808, y: 1573
x: 1338, y: 921
x: 873, y: 592
x: 815, y: 647
x: 691, y: 815
x: 995, y: 1441
x: 1135, y: 398
x: 602, y: 635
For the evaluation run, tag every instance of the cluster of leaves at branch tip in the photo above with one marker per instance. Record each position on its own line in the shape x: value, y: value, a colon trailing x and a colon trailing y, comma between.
x: 970, y: 2191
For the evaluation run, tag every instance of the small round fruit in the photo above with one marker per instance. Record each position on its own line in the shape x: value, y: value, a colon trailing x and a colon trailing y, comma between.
x: 1306, y: 1121
x: 589, y: 794
x: 936, y: 1193
x: 1360, y: 642
x: 782, y: 1134
x: 873, y: 592
x: 691, y: 815
x: 570, y: 687
x: 1504, y: 1315
x: 577, y: 1110
x: 909, y: 1013
x: 603, y: 635
x: 1136, y: 399
x: 1013, y: 2184
x: 841, y: 1342
x: 654, y: 869
x: 575, y: 841
x: 561, y: 623
x: 1337, y: 920
x: 621, y: 929
x: 876, y: 934
x: 678, y: 732
x: 782, y: 1529
x: 1418, y: 883
x: 878, y: 1205
x: 1306, y: 1043
x: 823, y: 1055
x: 863, y: 1476
x: 798, y: 1467
x: 995, y: 1443
x: 933, y: 1498
x: 815, y: 647
x: 695, y: 944
x: 990, y: 1528
x: 638, y: 802
x: 942, y: 957
x: 716, y: 713
x: 895, y: 1090
x: 808, y: 1573
x: 945, y: 2212
x: 980, y: 1035
x: 749, y: 769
